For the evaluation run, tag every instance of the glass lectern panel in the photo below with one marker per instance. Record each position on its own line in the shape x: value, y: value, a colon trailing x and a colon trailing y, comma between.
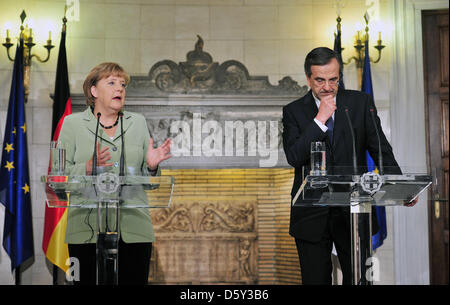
x: 88, y: 191
x: 343, y: 186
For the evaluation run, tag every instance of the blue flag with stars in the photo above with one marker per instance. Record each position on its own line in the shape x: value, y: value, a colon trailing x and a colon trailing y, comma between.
x: 15, y: 193
x: 366, y: 86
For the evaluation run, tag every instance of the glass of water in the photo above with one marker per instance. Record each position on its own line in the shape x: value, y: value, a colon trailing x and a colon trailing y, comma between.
x: 318, y: 160
x: 57, y: 158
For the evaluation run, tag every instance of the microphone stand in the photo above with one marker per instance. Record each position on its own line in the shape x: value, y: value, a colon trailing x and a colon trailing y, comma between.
x: 94, y: 157
x: 355, y: 165
x: 360, y: 224
x: 122, y: 157
x: 108, y: 241
x: 380, y: 155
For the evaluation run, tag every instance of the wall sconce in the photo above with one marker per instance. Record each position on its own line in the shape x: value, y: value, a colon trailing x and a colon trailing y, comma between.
x: 27, y: 35
x: 359, y: 48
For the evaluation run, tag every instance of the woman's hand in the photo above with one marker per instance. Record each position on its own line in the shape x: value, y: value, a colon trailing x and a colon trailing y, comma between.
x: 103, y: 156
x: 157, y: 155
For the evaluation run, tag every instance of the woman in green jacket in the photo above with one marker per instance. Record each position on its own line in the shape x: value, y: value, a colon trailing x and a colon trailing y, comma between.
x: 105, y: 88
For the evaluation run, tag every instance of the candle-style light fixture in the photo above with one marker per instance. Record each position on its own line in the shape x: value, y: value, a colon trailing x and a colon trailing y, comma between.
x: 360, y: 40
x: 26, y: 34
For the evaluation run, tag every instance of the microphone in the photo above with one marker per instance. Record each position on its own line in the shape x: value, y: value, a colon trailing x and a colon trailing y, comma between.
x: 380, y: 155
x: 355, y: 167
x: 122, y: 157
x: 94, y: 157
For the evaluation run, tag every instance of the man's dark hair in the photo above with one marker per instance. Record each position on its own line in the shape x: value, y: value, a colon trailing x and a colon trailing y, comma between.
x: 320, y: 57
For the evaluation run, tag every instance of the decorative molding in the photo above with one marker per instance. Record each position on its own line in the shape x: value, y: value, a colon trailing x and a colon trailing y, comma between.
x: 199, y: 74
x: 194, y: 217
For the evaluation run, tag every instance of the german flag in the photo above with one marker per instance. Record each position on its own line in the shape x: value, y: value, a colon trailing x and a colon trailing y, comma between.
x: 55, y: 249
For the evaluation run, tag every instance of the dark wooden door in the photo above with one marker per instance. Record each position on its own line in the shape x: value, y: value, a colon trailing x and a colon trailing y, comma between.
x: 436, y: 66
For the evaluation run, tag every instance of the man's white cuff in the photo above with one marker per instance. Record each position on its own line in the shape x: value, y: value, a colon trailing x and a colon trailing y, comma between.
x: 322, y: 126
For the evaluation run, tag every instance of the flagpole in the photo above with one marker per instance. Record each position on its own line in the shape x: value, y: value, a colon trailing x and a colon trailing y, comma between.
x: 17, y: 275
x: 60, y: 102
x: 55, y: 267
x: 55, y: 275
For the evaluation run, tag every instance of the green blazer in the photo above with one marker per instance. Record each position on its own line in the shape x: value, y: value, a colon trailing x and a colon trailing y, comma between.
x: 77, y: 137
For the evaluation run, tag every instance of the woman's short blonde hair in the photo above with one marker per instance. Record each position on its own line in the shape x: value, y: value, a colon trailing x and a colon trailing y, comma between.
x: 99, y: 72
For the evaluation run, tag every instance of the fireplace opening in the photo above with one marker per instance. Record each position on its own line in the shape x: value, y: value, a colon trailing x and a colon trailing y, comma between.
x: 225, y: 226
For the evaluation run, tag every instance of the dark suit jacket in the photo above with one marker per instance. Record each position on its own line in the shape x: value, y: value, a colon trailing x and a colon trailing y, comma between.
x: 308, y: 223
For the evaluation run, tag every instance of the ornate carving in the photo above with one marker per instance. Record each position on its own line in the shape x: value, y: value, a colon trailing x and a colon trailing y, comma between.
x: 199, y: 67
x: 165, y: 74
x: 205, y: 242
x: 213, y: 217
x: 244, y: 258
x: 160, y: 128
x: 200, y: 74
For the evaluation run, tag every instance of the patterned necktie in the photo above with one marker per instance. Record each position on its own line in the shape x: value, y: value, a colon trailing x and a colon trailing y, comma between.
x: 330, y: 125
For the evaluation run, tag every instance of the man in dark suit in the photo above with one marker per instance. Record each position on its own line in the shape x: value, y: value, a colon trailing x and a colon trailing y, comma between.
x: 320, y: 116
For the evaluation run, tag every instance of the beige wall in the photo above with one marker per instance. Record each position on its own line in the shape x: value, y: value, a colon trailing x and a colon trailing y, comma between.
x: 270, y: 37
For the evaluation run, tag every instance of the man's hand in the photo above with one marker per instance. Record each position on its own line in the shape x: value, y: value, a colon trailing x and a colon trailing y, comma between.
x: 326, y: 109
x: 412, y: 203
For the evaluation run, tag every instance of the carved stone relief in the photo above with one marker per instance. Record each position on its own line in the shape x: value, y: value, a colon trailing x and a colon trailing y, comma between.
x: 200, y: 74
x: 213, y: 242
x: 194, y: 217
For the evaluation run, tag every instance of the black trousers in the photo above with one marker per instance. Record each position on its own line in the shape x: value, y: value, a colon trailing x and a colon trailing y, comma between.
x: 134, y: 262
x: 315, y: 258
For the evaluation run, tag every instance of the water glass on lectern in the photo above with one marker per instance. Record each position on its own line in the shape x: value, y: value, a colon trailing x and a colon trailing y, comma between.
x: 318, y: 160
x: 57, y: 159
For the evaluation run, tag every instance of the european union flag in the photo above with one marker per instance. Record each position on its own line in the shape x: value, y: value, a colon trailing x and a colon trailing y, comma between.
x: 15, y: 193
x: 366, y: 86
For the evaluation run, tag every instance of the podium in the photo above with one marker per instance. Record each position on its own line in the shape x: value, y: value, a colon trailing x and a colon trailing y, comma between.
x: 108, y: 194
x: 360, y: 192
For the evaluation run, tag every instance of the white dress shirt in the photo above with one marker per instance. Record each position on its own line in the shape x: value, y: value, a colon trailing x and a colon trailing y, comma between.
x: 319, y: 123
